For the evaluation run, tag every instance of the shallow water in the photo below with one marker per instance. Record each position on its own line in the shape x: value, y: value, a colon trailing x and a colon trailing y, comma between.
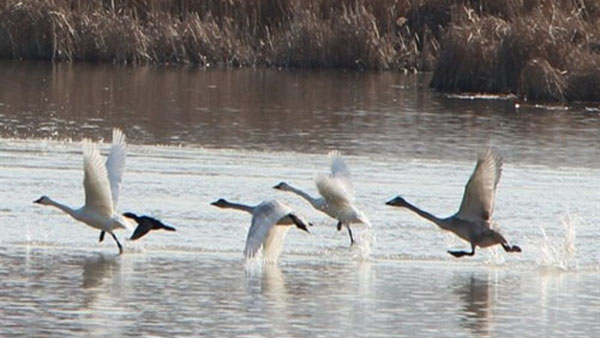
x: 196, y: 136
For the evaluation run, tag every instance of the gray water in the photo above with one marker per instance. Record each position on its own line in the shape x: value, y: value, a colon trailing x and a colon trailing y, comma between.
x: 195, y: 136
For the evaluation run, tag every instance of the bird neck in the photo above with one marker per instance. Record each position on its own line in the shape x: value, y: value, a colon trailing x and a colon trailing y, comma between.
x: 66, y: 209
x: 309, y: 198
x: 438, y: 221
x: 136, y: 218
x: 239, y: 206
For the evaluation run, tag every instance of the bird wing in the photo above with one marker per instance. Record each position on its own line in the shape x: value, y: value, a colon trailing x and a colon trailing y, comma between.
x: 147, y: 223
x: 340, y: 171
x: 115, y: 164
x: 478, y: 200
x: 95, y: 181
x: 333, y: 190
x: 264, y: 233
x: 273, y: 245
x: 142, y: 228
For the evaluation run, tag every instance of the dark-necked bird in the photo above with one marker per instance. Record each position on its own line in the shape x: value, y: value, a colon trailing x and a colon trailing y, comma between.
x: 145, y: 224
x: 101, y: 182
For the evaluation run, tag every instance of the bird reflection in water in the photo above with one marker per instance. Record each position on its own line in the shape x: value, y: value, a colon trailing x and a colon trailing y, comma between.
x: 266, y: 283
x: 266, y: 279
x: 476, y: 311
x: 274, y: 283
x: 96, y: 270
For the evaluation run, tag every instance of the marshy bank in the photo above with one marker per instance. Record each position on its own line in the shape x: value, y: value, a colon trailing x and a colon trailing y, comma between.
x: 539, y: 49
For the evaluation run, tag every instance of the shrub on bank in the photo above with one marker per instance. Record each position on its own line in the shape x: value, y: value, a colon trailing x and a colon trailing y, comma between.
x: 539, y: 49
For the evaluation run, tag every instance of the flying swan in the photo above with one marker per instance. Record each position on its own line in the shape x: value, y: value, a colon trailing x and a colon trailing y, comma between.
x: 337, y: 195
x: 101, y: 183
x: 473, y: 221
x: 271, y: 221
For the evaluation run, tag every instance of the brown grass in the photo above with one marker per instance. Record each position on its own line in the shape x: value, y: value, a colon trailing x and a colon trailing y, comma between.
x: 356, y: 34
x: 540, y: 81
x: 539, y: 49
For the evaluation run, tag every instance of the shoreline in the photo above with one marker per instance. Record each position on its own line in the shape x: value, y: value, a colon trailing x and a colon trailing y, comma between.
x: 540, y: 50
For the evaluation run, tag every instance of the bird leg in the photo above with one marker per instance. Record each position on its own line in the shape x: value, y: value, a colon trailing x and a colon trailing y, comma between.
x: 351, y: 238
x: 118, y: 244
x: 102, y: 233
x: 339, y: 227
x: 463, y: 253
x: 509, y: 248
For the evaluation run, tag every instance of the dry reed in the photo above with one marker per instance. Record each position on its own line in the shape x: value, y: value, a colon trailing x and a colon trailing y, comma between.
x: 539, y: 49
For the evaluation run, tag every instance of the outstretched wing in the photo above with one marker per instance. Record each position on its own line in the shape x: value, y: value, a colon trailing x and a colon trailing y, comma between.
x: 337, y: 187
x: 478, y: 200
x: 332, y: 190
x: 95, y: 181
x: 264, y: 233
x: 115, y: 164
x: 340, y: 171
x: 142, y: 229
x: 147, y: 223
x: 273, y: 245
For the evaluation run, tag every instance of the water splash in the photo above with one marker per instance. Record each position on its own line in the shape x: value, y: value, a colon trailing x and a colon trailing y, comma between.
x: 496, y: 256
x: 560, y: 253
x: 364, y: 238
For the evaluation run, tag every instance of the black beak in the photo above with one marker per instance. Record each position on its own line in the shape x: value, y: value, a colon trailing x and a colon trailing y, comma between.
x: 39, y: 200
x: 392, y: 202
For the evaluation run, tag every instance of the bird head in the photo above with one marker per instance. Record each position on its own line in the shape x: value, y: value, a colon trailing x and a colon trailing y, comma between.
x: 397, y: 202
x: 221, y: 203
x: 44, y: 200
x: 282, y: 186
x: 130, y: 215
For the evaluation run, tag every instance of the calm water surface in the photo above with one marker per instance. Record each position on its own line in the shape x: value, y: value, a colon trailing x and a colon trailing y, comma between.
x: 195, y: 136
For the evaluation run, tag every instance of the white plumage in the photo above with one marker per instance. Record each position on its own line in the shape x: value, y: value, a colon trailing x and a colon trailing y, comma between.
x: 101, y: 183
x: 337, y: 194
x: 271, y: 221
x: 115, y: 164
x: 264, y: 233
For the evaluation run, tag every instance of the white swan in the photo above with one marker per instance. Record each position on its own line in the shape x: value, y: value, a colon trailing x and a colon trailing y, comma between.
x: 271, y: 221
x: 337, y: 193
x: 473, y: 221
x: 102, y: 184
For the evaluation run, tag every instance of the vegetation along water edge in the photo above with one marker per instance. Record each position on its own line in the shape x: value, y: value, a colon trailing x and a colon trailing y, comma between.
x: 547, y: 50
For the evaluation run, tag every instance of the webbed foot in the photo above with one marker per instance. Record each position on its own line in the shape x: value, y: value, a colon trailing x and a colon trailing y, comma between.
x: 509, y: 248
x: 459, y: 254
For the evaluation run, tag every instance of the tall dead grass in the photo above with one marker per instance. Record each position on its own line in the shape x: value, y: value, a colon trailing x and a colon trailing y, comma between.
x: 283, y: 33
x: 539, y: 49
